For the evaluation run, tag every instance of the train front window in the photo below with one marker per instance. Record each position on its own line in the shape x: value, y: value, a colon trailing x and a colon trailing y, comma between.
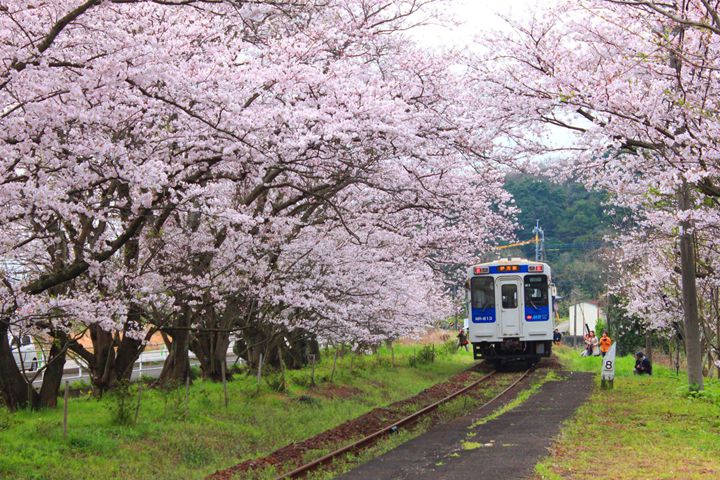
x: 482, y: 291
x: 509, y: 295
x: 536, y: 291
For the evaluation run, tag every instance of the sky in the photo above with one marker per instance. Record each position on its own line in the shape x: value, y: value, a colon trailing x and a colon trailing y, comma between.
x: 476, y: 16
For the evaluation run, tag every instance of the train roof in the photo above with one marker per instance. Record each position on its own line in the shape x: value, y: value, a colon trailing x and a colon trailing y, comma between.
x: 514, y: 265
x: 509, y: 261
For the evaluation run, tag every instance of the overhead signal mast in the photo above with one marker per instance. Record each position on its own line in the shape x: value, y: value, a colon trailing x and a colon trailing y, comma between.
x: 539, y: 242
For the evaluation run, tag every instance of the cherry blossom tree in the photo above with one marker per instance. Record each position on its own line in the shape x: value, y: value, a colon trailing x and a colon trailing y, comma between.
x: 631, y: 84
x: 207, y: 167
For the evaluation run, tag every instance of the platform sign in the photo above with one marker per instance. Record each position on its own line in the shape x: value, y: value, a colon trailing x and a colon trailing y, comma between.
x: 608, y: 367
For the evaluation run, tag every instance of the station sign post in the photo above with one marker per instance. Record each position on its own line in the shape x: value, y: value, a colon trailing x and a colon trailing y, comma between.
x: 608, y: 368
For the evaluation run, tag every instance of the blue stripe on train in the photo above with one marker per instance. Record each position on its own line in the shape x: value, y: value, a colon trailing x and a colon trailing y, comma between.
x: 483, y: 315
x: 541, y: 314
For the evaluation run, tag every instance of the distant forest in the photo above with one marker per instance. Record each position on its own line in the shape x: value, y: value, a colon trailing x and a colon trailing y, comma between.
x: 574, y: 222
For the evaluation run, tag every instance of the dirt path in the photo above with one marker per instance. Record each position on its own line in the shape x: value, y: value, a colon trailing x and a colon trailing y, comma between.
x: 507, y: 447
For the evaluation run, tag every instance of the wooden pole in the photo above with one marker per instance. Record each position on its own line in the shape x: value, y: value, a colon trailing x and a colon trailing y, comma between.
x: 259, y: 372
x: 187, y: 395
x: 65, y: 408
x: 224, y: 380
x: 137, y: 407
x: 332, y: 374
x: 282, y: 369
x: 312, y: 369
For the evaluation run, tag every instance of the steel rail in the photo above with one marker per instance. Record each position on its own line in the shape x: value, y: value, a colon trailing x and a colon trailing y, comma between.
x: 368, y: 439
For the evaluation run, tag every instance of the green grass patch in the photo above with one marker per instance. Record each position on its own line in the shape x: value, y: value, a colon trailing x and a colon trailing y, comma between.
x: 170, y: 441
x: 646, y: 427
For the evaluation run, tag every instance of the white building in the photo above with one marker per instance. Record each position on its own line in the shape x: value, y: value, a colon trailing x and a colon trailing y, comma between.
x: 582, y: 314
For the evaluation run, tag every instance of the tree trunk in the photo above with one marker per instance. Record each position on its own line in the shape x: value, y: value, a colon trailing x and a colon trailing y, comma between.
x: 177, y: 365
x: 648, y: 346
x: 294, y: 346
x: 210, y: 348
x: 693, y: 345
x: 52, y: 379
x: 12, y: 383
x: 103, y: 367
x: 128, y: 351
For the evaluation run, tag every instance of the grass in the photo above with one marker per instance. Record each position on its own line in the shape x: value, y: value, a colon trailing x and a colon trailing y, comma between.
x: 169, y: 441
x: 646, y: 427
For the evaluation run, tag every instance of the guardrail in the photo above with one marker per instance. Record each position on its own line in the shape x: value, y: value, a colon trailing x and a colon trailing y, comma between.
x: 149, y: 362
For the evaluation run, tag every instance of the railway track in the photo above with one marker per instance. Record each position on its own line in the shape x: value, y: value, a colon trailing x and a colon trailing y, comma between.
x: 377, y: 435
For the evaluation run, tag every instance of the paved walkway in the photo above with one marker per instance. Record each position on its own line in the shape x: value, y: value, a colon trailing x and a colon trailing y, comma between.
x: 507, y: 447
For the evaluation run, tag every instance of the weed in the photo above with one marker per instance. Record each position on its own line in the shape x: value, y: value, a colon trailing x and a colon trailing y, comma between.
x: 424, y: 356
x: 710, y: 396
x: 450, y: 347
x: 276, y: 382
x: 309, y: 400
x: 203, y: 398
x: 173, y: 397
x: 122, y: 407
x: 44, y: 428
x: 195, y: 456
x: 470, y: 445
x: 5, y: 419
x: 301, y: 380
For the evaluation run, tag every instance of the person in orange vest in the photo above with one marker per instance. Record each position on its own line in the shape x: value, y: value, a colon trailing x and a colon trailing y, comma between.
x: 605, y: 342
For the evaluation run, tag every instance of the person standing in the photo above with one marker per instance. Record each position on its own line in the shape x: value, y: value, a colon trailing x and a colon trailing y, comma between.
x: 594, y: 340
x: 605, y: 342
x: 588, y: 345
x: 462, y: 340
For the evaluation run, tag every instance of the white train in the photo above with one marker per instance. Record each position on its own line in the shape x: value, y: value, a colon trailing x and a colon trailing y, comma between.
x: 510, y: 310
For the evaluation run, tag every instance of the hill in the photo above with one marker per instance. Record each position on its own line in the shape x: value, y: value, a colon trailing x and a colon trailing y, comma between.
x: 574, y: 222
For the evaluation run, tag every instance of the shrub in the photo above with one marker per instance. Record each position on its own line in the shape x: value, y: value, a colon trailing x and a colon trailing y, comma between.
x: 122, y: 406
x: 5, y: 419
x: 173, y: 395
x: 449, y: 347
x: 695, y: 394
x: 276, y: 382
x: 301, y: 380
x: 424, y: 356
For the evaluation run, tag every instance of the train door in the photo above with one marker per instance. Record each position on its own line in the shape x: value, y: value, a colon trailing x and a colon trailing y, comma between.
x: 510, y: 311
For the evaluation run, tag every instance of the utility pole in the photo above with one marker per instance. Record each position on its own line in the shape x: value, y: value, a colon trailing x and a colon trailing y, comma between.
x: 689, y: 292
x: 539, y: 242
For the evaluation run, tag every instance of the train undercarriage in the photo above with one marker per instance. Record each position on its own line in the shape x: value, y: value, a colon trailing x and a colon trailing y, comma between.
x: 512, y: 350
